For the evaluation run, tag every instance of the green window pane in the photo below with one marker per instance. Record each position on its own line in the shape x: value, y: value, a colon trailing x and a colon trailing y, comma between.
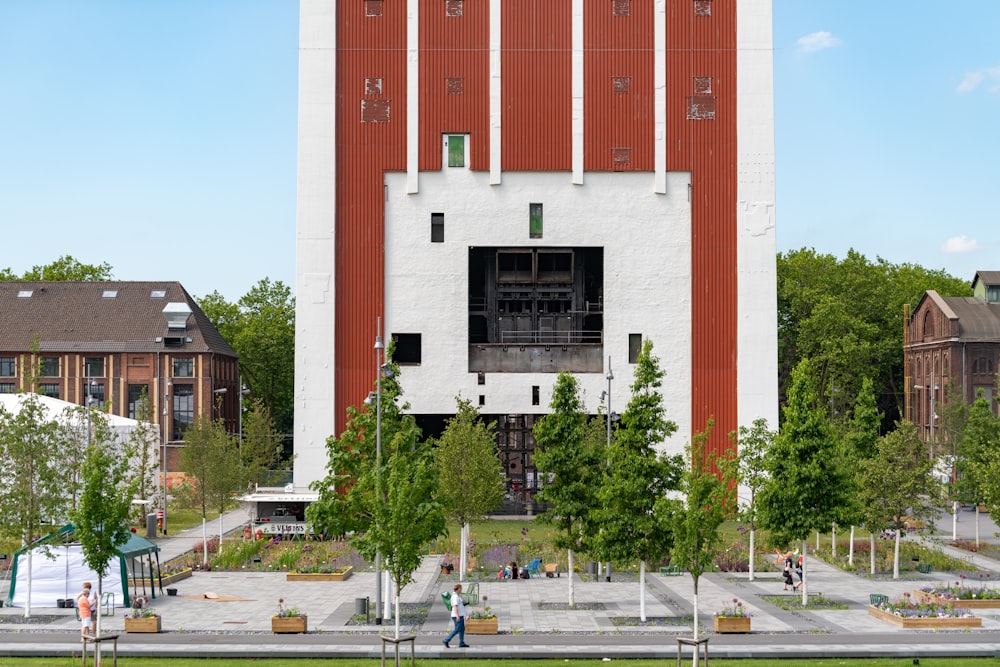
x: 456, y: 150
x: 535, y: 221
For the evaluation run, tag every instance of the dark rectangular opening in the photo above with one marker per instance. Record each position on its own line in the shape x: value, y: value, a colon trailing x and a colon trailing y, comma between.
x: 534, y: 395
x: 437, y: 227
x: 407, y: 349
x: 634, y: 347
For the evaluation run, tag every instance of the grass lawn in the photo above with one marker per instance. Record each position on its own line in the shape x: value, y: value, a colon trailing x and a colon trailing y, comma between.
x: 370, y: 662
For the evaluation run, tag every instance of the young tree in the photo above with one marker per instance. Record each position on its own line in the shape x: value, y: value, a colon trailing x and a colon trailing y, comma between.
x: 572, y: 463
x: 696, y: 518
x: 469, y: 470
x: 896, y: 482
x: 980, y: 444
x: 753, y: 445
x: 261, y: 447
x: 637, y: 476
x: 807, y: 486
x: 109, y: 485
x: 860, y: 441
x: 33, y: 474
x: 143, y: 442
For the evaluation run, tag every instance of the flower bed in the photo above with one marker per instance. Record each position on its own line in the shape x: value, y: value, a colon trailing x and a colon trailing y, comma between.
x: 481, y: 626
x: 932, y: 596
x: 731, y: 624
x: 142, y: 624
x: 906, y: 613
x: 342, y: 575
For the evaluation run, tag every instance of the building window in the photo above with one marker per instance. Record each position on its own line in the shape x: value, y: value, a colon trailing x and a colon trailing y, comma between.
x: 158, y: 294
x: 96, y: 393
x: 8, y: 367
x: 634, y: 348
x: 184, y: 367
x: 993, y: 293
x: 109, y: 293
x: 50, y: 389
x: 49, y: 367
x: 482, y: 399
x: 535, y: 221
x: 407, y: 349
x: 456, y: 150
x: 93, y: 367
x: 7, y: 388
x: 183, y: 410
x: 373, y: 7
x: 480, y: 378
x: 437, y: 227
x: 136, y: 394
x: 535, y: 395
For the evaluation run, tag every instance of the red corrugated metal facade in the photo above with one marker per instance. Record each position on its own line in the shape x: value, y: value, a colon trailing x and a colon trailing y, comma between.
x: 536, y: 40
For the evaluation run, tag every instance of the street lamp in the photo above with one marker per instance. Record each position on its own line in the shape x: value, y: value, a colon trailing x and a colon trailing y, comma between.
x: 380, y: 369
x: 611, y: 417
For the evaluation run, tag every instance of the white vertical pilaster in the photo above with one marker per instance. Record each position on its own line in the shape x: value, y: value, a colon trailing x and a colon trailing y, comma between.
x: 577, y: 92
x: 495, y: 93
x: 412, y: 96
x: 660, y: 96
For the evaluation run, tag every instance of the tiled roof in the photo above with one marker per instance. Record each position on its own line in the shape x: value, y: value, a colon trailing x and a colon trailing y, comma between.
x: 977, y: 319
x: 78, y: 317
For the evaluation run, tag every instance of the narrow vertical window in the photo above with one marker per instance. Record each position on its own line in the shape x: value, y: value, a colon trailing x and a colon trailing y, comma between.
x: 456, y: 150
x: 535, y: 221
x: 437, y: 227
x: 634, y: 348
x: 535, y: 398
x: 482, y: 399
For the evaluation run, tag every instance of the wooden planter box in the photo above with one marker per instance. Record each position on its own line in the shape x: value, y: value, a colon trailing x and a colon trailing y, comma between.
x: 725, y: 624
x: 969, y: 622
x: 480, y: 626
x: 146, y: 624
x: 923, y: 597
x: 320, y: 576
x: 288, y: 625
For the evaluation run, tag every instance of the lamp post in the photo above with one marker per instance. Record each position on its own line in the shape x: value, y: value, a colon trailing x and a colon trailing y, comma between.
x: 611, y: 416
x: 218, y: 392
x: 379, y: 355
x: 163, y: 459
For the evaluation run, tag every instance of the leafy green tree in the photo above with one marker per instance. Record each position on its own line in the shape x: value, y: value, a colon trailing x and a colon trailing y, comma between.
x: 571, y: 463
x: 469, y: 470
x: 261, y: 447
x: 897, y: 483
x: 143, y: 441
x: 260, y: 327
x: 102, y: 516
x: 637, y: 476
x: 750, y: 472
x: 33, y: 474
x: 211, y: 460
x: 65, y: 268
x: 980, y: 444
x: 859, y: 440
x: 808, y: 484
x: 696, y: 518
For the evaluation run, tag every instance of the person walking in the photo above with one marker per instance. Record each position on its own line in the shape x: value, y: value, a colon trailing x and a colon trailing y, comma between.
x: 787, y: 572
x: 85, y: 606
x: 458, y: 616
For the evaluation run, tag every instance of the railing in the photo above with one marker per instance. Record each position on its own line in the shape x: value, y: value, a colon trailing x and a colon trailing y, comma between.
x: 548, y: 336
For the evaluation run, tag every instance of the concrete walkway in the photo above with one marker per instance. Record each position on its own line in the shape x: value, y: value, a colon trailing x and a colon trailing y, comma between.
x: 238, y: 624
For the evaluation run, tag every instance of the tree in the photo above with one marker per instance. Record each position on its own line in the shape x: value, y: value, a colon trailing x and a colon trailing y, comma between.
x: 637, y: 476
x: 260, y: 327
x: 980, y: 444
x: 33, y: 474
x: 101, y: 518
x: 469, y: 470
x: 807, y: 485
x: 860, y: 442
x: 896, y: 482
x: 696, y: 518
x: 572, y: 464
x: 752, y: 445
x: 143, y: 441
x: 65, y: 268
x: 261, y: 445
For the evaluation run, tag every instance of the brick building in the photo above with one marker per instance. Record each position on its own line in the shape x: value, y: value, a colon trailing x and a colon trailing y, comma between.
x: 114, y: 341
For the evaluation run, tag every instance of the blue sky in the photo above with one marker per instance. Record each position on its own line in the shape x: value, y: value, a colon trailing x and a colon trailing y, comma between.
x: 150, y: 134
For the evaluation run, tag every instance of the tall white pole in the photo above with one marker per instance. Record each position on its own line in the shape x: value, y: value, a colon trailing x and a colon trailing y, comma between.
x: 163, y: 459
x: 610, y: 376
x: 379, y: 347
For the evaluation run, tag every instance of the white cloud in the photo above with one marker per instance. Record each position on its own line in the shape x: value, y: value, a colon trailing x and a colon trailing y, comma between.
x: 817, y: 41
x: 972, y: 80
x: 960, y: 244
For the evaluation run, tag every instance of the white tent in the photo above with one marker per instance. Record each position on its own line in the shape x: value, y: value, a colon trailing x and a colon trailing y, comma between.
x: 56, y: 409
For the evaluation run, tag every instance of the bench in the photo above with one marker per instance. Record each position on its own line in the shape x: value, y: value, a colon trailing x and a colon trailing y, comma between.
x: 671, y: 570
x: 877, y: 599
x: 96, y: 641
x: 924, y: 568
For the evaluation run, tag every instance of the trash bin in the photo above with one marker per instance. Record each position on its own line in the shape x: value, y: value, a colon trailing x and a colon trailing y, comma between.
x: 361, y: 607
x: 151, y: 525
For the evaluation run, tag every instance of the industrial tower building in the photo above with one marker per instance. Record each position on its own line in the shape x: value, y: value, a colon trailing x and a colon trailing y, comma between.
x: 522, y: 187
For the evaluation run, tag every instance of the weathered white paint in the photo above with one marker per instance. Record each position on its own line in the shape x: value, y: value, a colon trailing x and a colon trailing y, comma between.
x: 412, y: 95
x: 496, y: 100
x: 660, y: 96
x: 577, y: 91
x: 757, y: 333
x: 647, y: 268
x: 315, y: 238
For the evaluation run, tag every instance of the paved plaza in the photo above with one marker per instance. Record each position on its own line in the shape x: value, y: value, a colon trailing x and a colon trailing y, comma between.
x: 238, y: 622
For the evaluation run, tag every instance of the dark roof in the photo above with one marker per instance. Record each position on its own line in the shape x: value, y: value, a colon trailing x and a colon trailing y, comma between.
x: 977, y: 319
x: 987, y: 278
x: 78, y: 317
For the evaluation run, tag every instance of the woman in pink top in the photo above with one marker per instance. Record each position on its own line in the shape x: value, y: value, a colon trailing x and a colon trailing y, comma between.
x: 84, y: 606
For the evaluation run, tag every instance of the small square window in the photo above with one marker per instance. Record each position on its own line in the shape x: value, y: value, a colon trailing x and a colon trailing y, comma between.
x: 24, y: 293
x: 702, y: 7
x: 453, y: 8
x: 7, y: 388
x: 703, y: 85
x: 49, y: 367
x: 8, y: 367
x: 109, y: 293
x: 535, y: 221
x: 535, y: 395
x: 437, y: 227
x: 621, y: 85
x: 634, y: 348
x: 407, y: 349
x: 619, y: 7
x: 373, y: 86
x: 373, y: 7
x: 158, y: 294
x: 184, y: 367
x: 95, y: 392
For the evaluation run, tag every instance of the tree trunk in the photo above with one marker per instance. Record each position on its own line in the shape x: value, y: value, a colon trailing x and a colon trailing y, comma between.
x: 27, y: 604
x: 805, y: 594
x: 396, y: 601
x: 751, y: 555
x: 463, y: 553
x: 833, y: 542
x: 871, y: 542
x: 204, y: 541
x: 954, y: 520
x: 850, y: 552
x: 895, y: 556
x: 219, y: 549
x: 642, y: 591
x: 695, y: 620
x: 569, y: 583
x: 977, y: 526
